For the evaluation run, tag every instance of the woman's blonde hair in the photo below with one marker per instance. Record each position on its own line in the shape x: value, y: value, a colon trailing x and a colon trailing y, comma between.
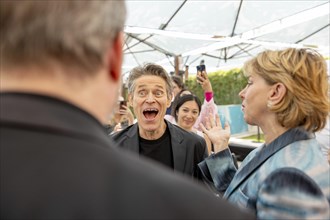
x: 304, y: 74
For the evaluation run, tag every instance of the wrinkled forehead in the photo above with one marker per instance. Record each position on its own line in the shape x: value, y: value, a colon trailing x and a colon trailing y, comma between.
x: 149, y: 81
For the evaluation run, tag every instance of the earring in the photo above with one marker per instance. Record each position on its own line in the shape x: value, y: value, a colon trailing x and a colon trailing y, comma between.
x: 269, y: 104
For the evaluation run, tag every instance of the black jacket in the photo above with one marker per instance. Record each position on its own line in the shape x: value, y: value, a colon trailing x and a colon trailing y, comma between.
x: 57, y: 162
x: 188, y: 148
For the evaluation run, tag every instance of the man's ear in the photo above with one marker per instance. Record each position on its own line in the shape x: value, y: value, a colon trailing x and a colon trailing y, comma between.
x: 115, y: 58
x: 277, y: 93
x: 169, y: 101
x: 130, y: 100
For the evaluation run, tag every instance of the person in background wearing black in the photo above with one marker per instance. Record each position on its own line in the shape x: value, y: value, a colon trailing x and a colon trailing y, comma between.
x: 60, y: 65
x: 120, y: 118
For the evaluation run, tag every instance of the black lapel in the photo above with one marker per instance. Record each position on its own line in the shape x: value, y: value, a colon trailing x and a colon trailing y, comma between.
x: 131, y: 141
x: 178, y: 148
x: 290, y: 136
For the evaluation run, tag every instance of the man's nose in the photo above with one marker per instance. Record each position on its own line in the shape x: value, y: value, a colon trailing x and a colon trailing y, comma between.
x: 150, y: 97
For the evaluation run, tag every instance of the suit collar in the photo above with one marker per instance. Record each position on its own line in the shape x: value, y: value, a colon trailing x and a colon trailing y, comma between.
x: 132, y: 141
x: 179, y: 149
x: 290, y: 136
x: 174, y: 133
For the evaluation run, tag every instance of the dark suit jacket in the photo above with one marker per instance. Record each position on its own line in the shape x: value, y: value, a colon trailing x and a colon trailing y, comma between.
x: 57, y: 162
x: 188, y: 148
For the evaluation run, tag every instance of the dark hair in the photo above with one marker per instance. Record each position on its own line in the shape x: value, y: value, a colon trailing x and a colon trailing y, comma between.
x: 178, y: 80
x: 183, y: 99
x: 176, y: 98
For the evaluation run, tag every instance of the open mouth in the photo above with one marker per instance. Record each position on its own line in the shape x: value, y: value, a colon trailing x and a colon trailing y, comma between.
x: 150, y: 113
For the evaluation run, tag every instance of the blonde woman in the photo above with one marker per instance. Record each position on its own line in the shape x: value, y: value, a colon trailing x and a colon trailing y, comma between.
x: 287, y: 177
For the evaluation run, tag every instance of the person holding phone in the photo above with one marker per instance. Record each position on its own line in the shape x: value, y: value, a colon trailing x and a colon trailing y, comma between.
x: 201, y: 66
x: 208, y: 106
x: 121, y: 118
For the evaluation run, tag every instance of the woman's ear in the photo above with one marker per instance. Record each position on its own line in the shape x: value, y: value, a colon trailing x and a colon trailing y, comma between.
x: 277, y: 93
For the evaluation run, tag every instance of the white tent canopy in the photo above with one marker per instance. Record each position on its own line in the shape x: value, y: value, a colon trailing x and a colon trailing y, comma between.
x: 223, y: 33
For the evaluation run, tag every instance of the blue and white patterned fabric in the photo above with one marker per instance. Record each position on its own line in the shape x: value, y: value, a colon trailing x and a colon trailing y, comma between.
x: 287, y: 179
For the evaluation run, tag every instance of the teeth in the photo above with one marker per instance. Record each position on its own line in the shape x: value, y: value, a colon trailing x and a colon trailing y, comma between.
x: 151, y: 109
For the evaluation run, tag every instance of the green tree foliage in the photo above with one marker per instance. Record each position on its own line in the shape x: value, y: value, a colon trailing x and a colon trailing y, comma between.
x: 226, y: 86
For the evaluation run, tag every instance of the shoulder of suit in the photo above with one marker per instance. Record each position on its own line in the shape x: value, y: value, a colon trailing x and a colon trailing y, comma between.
x: 122, y: 133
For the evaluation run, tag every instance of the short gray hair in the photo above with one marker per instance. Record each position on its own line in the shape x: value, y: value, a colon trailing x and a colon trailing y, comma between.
x: 74, y: 34
x: 149, y: 69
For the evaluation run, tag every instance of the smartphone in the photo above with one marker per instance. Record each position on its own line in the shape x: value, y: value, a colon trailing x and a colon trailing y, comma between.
x: 122, y: 103
x: 200, y: 68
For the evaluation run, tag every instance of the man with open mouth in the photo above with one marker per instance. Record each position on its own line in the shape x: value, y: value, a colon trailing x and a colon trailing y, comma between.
x: 150, y: 93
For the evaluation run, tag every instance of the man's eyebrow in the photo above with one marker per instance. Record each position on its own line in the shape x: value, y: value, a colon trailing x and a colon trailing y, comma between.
x: 144, y: 85
x: 159, y: 86
x: 141, y: 86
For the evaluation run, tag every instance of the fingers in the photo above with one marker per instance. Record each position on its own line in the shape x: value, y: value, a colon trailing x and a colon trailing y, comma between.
x: 207, y: 123
x: 227, y: 126
x: 217, y: 120
x: 117, y: 127
x: 122, y: 111
x: 202, y: 127
x: 204, y: 75
x: 212, y: 121
x: 200, y: 79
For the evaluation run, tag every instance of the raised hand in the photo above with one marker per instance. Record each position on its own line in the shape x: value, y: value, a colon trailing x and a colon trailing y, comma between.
x: 204, y: 81
x: 127, y: 113
x: 218, y: 135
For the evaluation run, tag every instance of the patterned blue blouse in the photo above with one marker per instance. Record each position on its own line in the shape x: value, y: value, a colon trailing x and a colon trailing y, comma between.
x: 287, y: 179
